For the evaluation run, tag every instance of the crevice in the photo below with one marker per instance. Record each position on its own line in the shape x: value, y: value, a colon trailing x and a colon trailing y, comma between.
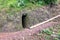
x: 24, y: 17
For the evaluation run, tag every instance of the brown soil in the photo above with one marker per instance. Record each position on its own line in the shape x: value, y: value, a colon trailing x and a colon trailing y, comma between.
x: 30, y: 34
x: 26, y: 34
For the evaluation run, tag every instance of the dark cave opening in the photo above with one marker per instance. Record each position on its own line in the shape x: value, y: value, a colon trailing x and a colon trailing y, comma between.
x: 24, y: 17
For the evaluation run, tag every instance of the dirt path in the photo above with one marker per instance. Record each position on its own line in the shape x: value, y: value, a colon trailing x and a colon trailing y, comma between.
x: 25, y: 34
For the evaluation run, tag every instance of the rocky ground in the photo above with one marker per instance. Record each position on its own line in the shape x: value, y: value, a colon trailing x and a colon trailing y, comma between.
x: 26, y: 18
x: 15, y: 22
x: 27, y: 34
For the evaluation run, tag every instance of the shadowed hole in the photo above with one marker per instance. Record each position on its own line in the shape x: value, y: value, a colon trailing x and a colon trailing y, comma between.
x: 24, y: 17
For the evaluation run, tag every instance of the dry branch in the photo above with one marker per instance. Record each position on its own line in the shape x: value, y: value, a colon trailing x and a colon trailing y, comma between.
x: 45, y: 21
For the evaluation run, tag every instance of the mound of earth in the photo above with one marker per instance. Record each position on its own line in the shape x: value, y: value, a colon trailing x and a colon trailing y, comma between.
x: 26, y: 18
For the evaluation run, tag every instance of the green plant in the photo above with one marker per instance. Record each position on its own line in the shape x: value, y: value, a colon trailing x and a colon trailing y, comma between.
x: 21, y: 3
x: 47, y: 37
x: 56, y: 39
x: 47, y: 31
x: 12, y: 3
x: 49, y: 1
x: 33, y: 1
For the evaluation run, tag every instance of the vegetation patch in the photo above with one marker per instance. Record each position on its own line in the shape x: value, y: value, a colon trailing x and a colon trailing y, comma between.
x: 52, y: 33
x: 20, y: 4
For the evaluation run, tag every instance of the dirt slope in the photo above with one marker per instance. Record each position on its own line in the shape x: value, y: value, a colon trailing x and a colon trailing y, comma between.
x: 26, y: 34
